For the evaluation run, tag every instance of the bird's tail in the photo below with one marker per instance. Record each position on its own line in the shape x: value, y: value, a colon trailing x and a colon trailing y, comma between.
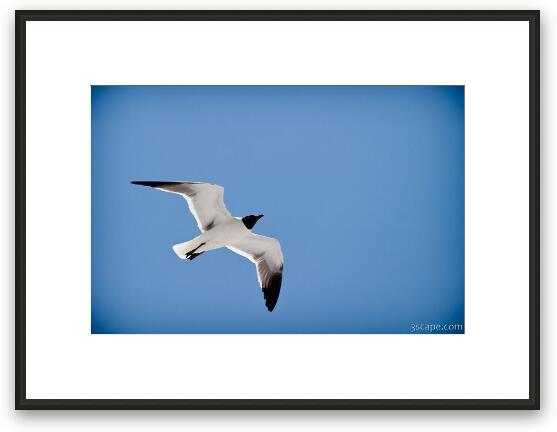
x: 182, y: 249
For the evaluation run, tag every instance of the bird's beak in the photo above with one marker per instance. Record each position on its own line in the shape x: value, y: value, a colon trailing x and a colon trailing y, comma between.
x: 259, y: 216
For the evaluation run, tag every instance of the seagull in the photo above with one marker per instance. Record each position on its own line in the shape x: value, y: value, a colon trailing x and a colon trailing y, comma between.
x: 220, y: 229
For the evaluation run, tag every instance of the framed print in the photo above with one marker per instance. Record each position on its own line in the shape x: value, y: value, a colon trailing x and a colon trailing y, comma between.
x: 377, y: 246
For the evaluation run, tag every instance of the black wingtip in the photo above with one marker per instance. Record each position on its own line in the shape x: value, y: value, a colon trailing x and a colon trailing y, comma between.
x: 272, y: 290
x: 154, y: 183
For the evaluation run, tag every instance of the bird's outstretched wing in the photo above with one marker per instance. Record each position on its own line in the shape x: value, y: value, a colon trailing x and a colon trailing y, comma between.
x: 266, y: 254
x: 205, y: 200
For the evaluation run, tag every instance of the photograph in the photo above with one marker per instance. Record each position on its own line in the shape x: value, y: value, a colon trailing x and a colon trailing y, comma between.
x: 271, y: 210
x: 307, y: 209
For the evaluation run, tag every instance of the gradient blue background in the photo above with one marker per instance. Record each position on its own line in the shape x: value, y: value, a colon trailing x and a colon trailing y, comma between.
x: 363, y: 186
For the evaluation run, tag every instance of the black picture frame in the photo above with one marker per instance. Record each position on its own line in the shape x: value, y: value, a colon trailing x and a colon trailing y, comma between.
x: 533, y: 18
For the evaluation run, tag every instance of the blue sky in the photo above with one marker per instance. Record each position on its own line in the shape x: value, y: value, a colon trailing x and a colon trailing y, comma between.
x: 362, y: 185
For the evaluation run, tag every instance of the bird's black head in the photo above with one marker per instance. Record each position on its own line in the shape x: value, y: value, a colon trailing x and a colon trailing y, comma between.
x: 251, y: 220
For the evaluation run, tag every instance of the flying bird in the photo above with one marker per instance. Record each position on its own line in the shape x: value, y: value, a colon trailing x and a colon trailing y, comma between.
x: 220, y: 229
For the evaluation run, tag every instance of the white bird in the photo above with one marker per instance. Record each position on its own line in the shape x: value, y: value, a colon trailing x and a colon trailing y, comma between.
x: 220, y: 229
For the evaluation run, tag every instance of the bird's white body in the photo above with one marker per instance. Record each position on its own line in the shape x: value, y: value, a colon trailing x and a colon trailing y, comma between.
x: 220, y: 229
x: 221, y: 235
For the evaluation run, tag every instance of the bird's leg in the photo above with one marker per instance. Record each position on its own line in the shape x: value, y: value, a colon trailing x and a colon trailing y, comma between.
x: 191, y: 254
x: 194, y: 255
